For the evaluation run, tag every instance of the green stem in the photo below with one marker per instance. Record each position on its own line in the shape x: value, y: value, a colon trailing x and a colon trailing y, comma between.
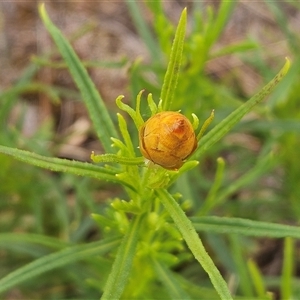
x: 122, y: 265
x: 172, y: 73
x: 103, y: 158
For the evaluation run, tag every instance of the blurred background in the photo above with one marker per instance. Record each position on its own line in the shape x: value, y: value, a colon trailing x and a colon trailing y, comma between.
x: 229, y: 55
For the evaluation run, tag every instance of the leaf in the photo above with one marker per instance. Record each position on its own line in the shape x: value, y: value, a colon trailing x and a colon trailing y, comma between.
x: 64, y: 165
x: 257, y: 279
x: 122, y: 265
x: 245, y: 227
x: 143, y: 30
x: 170, y: 282
x: 97, y: 110
x: 193, y: 241
x: 126, y: 206
x: 226, y: 124
x: 7, y: 239
x: 9, y: 97
x: 218, y: 22
x: 237, y: 250
x: 118, y: 159
x: 56, y: 260
x: 288, y: 269
x: 172, y: 73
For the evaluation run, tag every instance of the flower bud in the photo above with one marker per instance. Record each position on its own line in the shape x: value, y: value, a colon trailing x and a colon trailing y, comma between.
x: 167, y: 139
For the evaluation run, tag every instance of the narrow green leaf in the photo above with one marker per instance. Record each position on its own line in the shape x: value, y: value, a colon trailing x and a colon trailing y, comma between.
x: 7, y: 239
x: 211, y: 198
x: 235, y: 48
x: 194, y: 243
x: 197, y: 290
x: 244, y: 226
x: 282, y: 21
x: 205, y: 125
x: 170, y: 282
x: 262, y: 166
x: 257, y: 279
x: 126, y: 206
x: 134, y: 114
x: 119, y: 275
x: 118, y: 159
x: 225, y: 125
x: 287, y: 269
x: 87, y: 64
x: 9, y: 97
x: 97, y: 110
x: 63, y: 165
x: 237, y: 248
x: 143, y: 29
x: 32, y: 87
x: 56, y: 260
x: 218, y: 22
x: 172, y: 73
x: 126, y: 135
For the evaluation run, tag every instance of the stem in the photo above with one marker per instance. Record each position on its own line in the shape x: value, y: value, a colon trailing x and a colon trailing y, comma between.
x: 122, y: 265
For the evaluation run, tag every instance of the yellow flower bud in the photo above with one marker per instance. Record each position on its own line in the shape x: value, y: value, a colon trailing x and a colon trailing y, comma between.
x: 167, y: 139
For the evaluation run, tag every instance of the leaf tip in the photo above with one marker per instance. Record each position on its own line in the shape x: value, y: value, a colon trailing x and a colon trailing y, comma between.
x: 42, y: 10
x: 221, y: 161
x: 92, y: 156
x: 183, y: 16
x: 287, y: 65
